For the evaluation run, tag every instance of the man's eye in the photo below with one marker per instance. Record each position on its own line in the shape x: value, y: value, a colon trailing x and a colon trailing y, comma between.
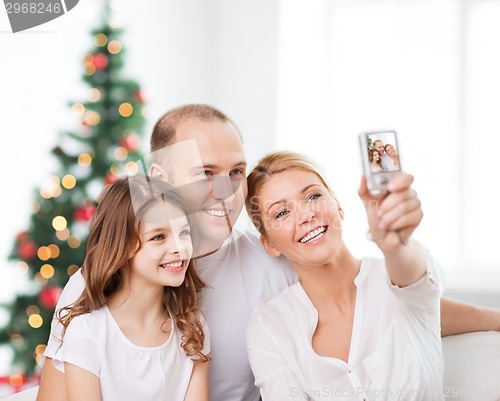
x: 237, y: 171
x: 185, y: 233
x: 281, y: 214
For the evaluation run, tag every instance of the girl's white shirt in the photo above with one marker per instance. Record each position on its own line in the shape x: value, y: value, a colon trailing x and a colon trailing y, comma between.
x: 395, y: 351
x: 127, y: 372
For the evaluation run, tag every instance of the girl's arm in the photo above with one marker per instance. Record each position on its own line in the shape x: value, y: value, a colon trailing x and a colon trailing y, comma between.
x: 198, y: 384
x: 81, y: 384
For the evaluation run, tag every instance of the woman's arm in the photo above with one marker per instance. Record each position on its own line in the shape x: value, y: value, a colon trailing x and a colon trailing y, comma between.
x: 81, y: 384
x: 198, y: 384
x: 392, y: 220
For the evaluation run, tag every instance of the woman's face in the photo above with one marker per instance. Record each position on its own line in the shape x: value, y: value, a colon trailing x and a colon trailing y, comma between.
x: 166, y: 246
x: 376, y: 156
x: 391, y: 151
x: 302, y: 220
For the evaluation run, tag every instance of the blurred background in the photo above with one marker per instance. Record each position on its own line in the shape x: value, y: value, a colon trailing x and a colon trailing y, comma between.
x: 292, y: 74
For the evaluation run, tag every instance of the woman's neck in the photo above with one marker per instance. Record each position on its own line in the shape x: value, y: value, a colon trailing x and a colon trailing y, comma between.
x: 331, y: 282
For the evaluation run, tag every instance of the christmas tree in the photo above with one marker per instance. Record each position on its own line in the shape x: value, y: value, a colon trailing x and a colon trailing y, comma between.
x: 101, y: 149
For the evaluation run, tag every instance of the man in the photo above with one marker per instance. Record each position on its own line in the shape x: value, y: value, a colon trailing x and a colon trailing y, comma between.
x: 379, y: 146
x: 199, y: 145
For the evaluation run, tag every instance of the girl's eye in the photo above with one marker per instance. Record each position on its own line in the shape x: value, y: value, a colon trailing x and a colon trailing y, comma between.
x: 158, y: 237
x: 184, y: 233
x: 281, y: 214
x: 313, y: 197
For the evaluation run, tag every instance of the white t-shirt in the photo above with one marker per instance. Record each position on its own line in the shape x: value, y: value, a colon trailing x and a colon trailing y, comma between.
x: 387, y: 162
x: 239, y: 274
x: 127, y: 372
x: 395, y: 351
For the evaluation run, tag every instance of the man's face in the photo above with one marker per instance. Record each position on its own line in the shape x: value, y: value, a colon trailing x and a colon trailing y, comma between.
x: 207, y: 163
x: 379, y: 147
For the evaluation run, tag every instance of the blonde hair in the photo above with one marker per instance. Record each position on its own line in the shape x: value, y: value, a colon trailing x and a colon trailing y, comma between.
x: 269, y: 165
x: 114, y: 234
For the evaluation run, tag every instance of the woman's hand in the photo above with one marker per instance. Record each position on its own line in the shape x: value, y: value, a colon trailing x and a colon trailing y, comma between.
x: 392, y: 218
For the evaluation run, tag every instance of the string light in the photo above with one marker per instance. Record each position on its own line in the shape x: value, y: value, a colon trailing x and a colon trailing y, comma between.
x: 131, y: 168
x: 63, y: 235
x: 54, y: 251
x: 78, y: 109
x: 40, y: 280
x: 72, y: 269
x: 35, y: 321
x: 94, y: 95
x: 68, y: 181
x: 22, y: 267
x: 16, y: 380
x: 32, y: 310
x: 74, y: 241
x: 120, y: 153
x: 84, y: 160
x: 101, y: 40
x: 59, y: 223
x: 125, y: 109
x: 43, y: 253
x: 35, y: 207
x: 115, y: 170
x: 47, y: 271
x: 114, y: 47
x: 91, y: 117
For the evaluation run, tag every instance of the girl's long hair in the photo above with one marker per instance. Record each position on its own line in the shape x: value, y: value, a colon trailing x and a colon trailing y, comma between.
x: 114, y: 239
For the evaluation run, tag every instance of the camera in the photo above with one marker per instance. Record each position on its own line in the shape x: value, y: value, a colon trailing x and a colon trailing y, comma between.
x: 380, y: 156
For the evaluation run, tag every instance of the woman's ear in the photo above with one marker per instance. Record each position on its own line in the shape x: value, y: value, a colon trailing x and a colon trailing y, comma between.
x: 269, y: 247
x: 341, y: 212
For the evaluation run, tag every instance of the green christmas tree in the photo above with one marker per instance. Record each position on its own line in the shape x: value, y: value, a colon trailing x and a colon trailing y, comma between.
x: 103, y: 148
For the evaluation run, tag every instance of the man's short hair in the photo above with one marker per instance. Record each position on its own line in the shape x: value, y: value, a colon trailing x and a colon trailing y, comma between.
x: 165, y: 128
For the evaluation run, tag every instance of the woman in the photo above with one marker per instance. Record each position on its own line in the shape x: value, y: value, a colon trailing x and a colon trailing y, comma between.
x: 350, y: 329
x: 375, y: 161
x: 393, y: 162
x: 135, y: 332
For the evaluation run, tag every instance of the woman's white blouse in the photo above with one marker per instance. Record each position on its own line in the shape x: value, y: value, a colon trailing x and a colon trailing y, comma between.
x: 395, y: 351
x: 127, y: 372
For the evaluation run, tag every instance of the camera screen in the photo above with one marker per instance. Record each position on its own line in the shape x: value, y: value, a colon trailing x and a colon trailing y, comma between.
x: 383, y: 152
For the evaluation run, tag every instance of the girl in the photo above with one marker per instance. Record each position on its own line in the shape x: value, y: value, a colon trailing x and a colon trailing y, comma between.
x: 375, y: 161
x: 350, y: 329
x: 135, y: 332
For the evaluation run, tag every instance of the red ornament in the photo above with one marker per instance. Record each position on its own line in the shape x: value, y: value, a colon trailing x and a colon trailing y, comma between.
x: 110, y: 179
x: 139, y: 95
x: 22, y: 236
x: 100, y: 61
x: 26, y: 250
x: 84, y: 213
x: 49, y: 296
x: 131, y: 142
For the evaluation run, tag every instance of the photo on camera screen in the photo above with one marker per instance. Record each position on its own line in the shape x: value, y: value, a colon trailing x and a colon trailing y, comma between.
x: 383, y: 152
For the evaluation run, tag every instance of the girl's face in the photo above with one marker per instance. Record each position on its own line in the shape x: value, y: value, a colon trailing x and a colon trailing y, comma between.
x: 166, y: 246
x: 301, y: 218
x: 376, y: 156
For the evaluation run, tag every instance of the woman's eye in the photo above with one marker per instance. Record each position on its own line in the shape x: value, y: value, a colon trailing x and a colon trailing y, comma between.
x: 205, y: 173
x: 158, y: 237
x: 281, y: 214
x: 313, y: 197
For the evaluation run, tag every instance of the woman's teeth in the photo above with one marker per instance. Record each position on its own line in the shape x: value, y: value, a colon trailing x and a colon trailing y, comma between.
x: 312, y: 234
